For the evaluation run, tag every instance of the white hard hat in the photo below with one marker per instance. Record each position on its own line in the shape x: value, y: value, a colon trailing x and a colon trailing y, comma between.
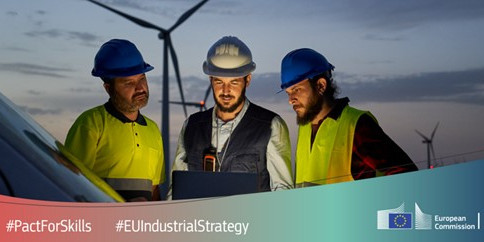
x: 228, y: 57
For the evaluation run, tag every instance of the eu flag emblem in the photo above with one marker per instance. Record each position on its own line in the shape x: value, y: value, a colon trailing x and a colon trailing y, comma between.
x: 400, y: 220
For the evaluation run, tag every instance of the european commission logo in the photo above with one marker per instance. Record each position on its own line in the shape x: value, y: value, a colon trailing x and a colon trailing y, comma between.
x: 397, y: 218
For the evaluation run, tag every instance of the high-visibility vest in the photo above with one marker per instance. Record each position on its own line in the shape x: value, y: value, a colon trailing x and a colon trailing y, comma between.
x: 329, y: 159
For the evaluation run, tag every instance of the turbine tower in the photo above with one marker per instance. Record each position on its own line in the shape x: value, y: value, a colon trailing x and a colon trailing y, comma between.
x: 430, y: 147
x: 164, y: 34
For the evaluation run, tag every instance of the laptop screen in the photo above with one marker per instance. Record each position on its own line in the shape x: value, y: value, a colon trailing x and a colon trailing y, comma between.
x: 202, y: 184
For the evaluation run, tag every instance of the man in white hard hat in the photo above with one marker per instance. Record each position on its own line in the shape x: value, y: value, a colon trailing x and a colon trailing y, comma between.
x: 336, y: 142
x: 239, y: 135
x: 115, y: 140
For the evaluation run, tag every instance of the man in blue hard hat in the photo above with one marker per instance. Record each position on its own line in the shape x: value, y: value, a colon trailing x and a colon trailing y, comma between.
x: 235, y: 135
x: 336, y: 142
x: 115, y: 140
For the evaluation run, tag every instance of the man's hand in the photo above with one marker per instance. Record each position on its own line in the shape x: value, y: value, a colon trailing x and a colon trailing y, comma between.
x: 155, y: 193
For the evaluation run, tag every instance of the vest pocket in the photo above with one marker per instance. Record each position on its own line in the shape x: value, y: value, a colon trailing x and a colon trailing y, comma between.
x: 195, y: 162
x: 244, y: 163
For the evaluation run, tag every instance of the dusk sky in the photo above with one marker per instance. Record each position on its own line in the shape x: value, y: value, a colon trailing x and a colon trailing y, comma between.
x: 411, y: 63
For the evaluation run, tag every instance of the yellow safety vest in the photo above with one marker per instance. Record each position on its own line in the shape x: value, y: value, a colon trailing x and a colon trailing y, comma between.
x: 329, y: 159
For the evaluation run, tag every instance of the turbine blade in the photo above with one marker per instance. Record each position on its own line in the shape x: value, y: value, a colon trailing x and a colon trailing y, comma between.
x: 423, y: 136
x: 186, y: 103
x: 175, y: 102
x: 186, y: 15
x: 435, y: 129
x: 129, y: 17
x: 174, y: 59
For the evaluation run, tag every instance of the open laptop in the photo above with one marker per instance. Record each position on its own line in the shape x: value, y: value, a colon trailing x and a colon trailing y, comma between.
x: 202, y: 184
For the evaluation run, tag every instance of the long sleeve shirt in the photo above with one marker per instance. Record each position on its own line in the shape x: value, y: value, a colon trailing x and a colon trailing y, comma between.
x: 278, y: 149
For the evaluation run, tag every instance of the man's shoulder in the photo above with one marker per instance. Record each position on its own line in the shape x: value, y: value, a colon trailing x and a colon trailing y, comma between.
x: 204, y: 116
x: 357, y: 113
x: 150, y: 122
x: 89, y: 120
x: 93, y: 113
x: 258, y: 112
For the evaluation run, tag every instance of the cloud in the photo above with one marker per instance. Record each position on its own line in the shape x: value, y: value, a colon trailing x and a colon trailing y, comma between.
x: 465, y: 86
x: 375, y: 14
x: 32, y: 69
x: 34, y: 92
x: 174, y: 9
x: 382, y: 38
x: 52, y: 33
x: 457, y: 86
x: 398, y: 15
x: 82, y: 90
x: 13, y: 48
x: 85, y: 38
x: 40, y: 12
x: 37, y: 18
x: 40, y: 111
x: 158, y: 8
x: 12, y: 13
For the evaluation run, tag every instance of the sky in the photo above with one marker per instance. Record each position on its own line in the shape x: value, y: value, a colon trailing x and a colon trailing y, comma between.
x: 412, y: 63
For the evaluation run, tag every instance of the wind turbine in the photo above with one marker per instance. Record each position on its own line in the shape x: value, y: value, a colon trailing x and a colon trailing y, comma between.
x: 430, y: 147
x: 164, y: 34
x: 202, y: 104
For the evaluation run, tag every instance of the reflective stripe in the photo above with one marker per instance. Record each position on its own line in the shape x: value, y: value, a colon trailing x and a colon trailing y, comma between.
x: 129, y: 184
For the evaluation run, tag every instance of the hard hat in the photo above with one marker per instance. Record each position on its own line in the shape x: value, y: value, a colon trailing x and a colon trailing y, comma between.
x: 118, y: 58
x: 228, y: 57
x: 302, y: 64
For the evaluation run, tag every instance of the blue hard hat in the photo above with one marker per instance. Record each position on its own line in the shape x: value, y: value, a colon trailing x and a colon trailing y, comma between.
x: 229, y: 57
x: 119, y: 58
x: 302, y: 64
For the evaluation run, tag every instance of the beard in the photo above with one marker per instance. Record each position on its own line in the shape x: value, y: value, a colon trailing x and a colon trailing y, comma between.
x: 313, y: 107
x: 232, y: 107
x: 129, y: 106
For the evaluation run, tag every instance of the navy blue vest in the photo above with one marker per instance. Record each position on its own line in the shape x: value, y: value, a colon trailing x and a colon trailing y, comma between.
x: 247, y: 148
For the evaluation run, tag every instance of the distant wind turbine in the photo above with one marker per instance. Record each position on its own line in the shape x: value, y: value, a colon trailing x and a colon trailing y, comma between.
x: 202, y: 104
x: 430, y: 147
x: 164, y: 34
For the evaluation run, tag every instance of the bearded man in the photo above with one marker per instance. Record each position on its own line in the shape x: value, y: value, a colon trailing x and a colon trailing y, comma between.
x: 336, y: 142
x: 241, y: 136
x: 115, y: 140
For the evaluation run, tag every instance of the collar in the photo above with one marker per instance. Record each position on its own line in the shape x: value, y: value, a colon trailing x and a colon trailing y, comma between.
x: 337, y: 109
x: 120, y: 116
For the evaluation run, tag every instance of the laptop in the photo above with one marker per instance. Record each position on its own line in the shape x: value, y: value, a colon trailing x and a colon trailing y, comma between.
x: 203, y: 184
